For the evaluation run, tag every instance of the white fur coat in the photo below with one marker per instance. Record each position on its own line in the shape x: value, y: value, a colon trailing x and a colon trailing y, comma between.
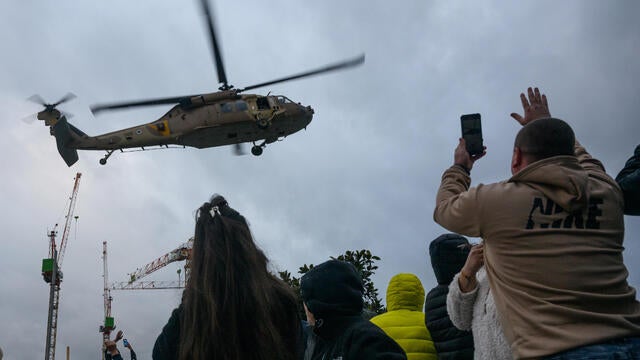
x: 477, y: 312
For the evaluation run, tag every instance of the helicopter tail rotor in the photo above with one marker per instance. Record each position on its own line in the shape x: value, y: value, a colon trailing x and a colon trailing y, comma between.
x: 30, y: 118
x: 50, y: 114
x: 60, y: 128
x: 40, y: 101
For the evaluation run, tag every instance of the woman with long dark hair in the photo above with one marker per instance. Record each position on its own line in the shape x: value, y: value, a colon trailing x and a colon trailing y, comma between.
x: 232, y: 306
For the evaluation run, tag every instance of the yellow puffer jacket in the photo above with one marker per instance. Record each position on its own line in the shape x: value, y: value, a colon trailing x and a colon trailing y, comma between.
x: 404, y: 319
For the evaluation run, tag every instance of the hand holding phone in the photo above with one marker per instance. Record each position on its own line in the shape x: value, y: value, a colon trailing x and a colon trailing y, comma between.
x: 472, y: 133
x: 125, y: 342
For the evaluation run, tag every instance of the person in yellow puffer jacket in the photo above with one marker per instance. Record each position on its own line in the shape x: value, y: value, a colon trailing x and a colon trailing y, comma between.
x: 404, y: 319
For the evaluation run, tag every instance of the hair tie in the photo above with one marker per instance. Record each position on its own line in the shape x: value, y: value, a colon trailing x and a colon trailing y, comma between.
x: 217, y: 203
x: 215, y: 210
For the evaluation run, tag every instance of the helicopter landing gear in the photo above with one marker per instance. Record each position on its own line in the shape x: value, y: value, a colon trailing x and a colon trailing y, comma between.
x: 103, y: 161
x: 257, y: 149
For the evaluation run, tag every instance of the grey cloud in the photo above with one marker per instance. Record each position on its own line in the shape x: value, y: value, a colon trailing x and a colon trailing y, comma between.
x: 363, y: 175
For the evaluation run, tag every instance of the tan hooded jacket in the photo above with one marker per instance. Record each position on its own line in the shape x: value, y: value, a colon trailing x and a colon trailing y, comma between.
x: 553, y: 251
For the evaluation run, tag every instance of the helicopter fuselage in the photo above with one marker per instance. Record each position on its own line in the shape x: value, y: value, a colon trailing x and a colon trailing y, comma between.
x: 226, y: 117
x: 210, y: 120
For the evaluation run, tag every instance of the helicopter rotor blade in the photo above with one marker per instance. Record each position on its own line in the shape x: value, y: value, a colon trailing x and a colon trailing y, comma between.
x: 217, y: 56
x: 69, y: 96
x: 37, y: 99
x: 67, y: 115
x: 48, y: 107
x: 30, y: 119
x: 333, y: 67
x: 121, y: 105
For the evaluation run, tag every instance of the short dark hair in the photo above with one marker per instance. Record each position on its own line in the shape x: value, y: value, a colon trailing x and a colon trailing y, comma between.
x: 544, y: 138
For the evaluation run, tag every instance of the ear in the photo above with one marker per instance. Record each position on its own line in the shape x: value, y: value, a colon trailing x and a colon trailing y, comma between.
x: 517, y: 160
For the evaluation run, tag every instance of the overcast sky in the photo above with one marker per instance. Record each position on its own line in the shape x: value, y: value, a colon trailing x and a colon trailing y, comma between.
x: 363, y: 175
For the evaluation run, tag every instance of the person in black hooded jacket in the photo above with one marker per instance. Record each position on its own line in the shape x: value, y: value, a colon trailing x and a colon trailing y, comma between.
x: 629, y: 181
x: 448, y: 254
x: 332, y: 298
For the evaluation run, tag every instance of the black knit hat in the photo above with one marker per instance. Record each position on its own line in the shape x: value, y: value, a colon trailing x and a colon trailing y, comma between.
x: 332, y: 289
x: 448, y: 254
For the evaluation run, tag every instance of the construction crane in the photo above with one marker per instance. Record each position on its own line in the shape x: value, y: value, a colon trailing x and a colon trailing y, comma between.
x: 52, y: 271
x: 109, y: 324
x: 148, y: 285
x: 182, y: 252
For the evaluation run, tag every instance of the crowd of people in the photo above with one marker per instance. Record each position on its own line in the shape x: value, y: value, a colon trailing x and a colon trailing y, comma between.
x: 547, y: 280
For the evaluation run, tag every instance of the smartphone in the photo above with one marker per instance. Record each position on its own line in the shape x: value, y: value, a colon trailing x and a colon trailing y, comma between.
x: 125, y: 342
x: 472, y: 133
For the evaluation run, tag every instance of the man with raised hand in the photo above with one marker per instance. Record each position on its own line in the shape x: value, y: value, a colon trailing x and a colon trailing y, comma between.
x: 553, y: 237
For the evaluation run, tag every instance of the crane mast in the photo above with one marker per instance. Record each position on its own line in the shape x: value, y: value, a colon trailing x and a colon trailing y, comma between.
x: 52, y: 273
x: 109, y: 324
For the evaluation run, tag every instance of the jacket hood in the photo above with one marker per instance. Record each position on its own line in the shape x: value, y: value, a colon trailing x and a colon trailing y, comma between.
x: 405, y: 292
x: 448, y: 254
x: 332, y: 289
x: 559, y: 178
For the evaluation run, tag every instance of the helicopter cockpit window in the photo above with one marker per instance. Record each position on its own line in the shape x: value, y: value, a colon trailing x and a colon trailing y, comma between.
x: 263, y: 103
x: 241, y: 105
x: 226, y: 107
x: 283, y: 100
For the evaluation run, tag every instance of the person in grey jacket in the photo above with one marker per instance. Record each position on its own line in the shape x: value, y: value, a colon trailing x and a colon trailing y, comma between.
x: 471, y: 307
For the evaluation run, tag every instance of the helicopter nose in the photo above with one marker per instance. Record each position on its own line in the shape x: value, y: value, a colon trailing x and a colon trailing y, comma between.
x: 308, y: 113
x: 307, y: 110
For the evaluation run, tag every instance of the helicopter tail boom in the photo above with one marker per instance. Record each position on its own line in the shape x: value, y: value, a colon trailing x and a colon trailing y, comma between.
x: 62, y: 131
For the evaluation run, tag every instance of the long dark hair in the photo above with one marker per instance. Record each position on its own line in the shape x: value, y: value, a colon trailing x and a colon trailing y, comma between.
x: 233, y: 307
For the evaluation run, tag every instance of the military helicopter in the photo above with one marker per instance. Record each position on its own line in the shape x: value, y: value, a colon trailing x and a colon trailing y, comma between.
x: 226, y: 117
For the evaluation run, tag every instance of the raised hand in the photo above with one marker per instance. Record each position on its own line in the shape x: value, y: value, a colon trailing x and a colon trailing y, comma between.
x: 475, y: 260
x: 536, y: 107
x: 462, y: 157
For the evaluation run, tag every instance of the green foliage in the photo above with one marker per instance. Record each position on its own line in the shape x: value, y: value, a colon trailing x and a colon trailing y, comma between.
x: 292, y: 281
x: 364, y: 262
